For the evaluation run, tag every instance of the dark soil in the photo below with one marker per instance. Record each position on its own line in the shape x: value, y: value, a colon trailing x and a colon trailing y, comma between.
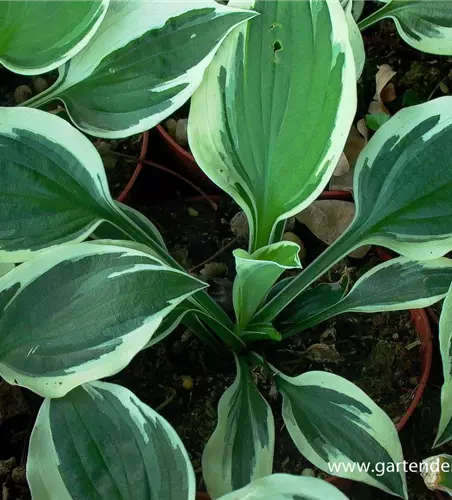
x: 119, y: 170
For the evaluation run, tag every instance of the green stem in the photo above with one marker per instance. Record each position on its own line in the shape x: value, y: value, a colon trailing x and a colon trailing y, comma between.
x: 205, y: 301
x: 333, y: 254
x: 375, y: 17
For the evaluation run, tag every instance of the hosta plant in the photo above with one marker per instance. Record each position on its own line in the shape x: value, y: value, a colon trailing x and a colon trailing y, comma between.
x: 274, y: 97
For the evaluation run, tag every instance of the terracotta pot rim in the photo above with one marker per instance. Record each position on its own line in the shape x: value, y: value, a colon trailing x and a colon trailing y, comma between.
x: 144, y: 147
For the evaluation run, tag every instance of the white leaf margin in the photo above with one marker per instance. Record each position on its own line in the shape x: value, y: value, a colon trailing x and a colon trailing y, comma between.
x: 380, y: 427
x: 111, y: 362
x: 286, y: 487
x: 43, y: 462
x: 104, y: 4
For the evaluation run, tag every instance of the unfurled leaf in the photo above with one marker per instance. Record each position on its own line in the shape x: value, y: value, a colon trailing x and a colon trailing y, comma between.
x: 240, y: 449
x: 395, y: 285
x: 53, y: 187
x: 100, y: 441
x: 287, y: 487
x: 333, y: 423
x: 403, y: 184
x: 143, y: 63
x: 426, y: 25
x: 80, y: 312
x: 257, y: 273
x: 274, y: 150
x: 444, y: 433
x: 36, y: 37
x: 312, y: 304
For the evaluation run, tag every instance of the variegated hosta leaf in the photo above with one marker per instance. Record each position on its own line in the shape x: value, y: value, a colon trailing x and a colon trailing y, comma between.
x: 107, y: 231
x: 287, y: 487
x: 100, y: 441
x: 335, y: 424
x: 257, y: 273
x: 36, y: 37
x: 240, y: 449
x: 312, y: 303
x: 356, y: 39
x: 144, y: 62
x: 271, y: 117
x: 80, y: 312
x: 53, y: 187
x: 5, y: 268
x: 357, y: 7
x: 425, y: 24
x: 444, y: 433
x: 395, y: 285
x: 403, y: 184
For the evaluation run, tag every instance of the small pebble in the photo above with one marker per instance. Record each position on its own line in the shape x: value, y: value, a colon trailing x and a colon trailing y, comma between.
x: 181, y: 132
x: 18, y: 475
x: 39, y: 84
x: 22, y: 94
x: 192, y: 212
x: 187, y: 382
x: 395, y: 336
x: 308, y: 472
x: 171, y: 126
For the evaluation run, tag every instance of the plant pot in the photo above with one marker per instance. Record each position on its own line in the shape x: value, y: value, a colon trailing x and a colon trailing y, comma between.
x: 144, y: 147
x: 184, y: 161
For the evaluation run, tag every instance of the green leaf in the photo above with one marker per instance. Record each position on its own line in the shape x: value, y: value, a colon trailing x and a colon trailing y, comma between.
x: 424, y: 24
x: 311, y: 303
x: 357, y: 7
x: 403, y: 184
x: 376, y: 120
x: 101, y: 442
x: 107, y: 231
x: 355, y: 37
x: 271, y: 117
x: 5, y: 268
x: 240, y: 449
x: 144, y: 62
x: 36, y: 37
x: 257, y: 273
x: 53, y: 187
x: 287, y: 487
x: 334, y: 423
x: 260, y: 331
x: 444, y: 433
x: 395, y: 285
x: 82, y: 311
x: 403, y: 192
